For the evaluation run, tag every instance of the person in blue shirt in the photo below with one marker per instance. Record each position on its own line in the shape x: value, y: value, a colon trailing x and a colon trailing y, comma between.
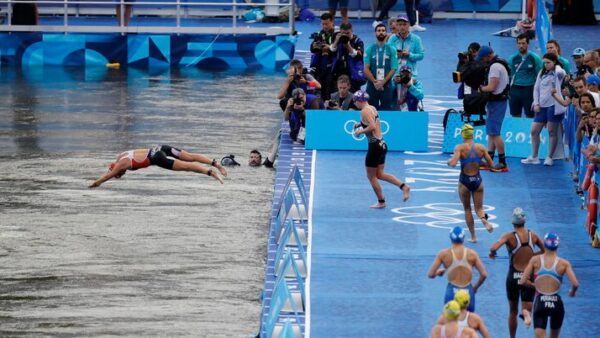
x: 524, y: 68
x: 408, y: 45
x: 380, y: 66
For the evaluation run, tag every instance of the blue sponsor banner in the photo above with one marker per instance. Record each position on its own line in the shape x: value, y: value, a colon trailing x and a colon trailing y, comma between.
x: 333, y: 130
x: 515, y: 133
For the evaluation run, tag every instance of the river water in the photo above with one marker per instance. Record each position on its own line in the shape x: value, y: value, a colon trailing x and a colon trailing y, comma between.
x: 156, y: 253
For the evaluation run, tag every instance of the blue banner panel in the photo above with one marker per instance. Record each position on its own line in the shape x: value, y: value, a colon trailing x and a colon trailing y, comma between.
x: 148, y: 51
x: 515, y: 133
x: 333, y: 130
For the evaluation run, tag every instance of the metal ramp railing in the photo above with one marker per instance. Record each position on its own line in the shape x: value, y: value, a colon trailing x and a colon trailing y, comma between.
x: 179, y: 9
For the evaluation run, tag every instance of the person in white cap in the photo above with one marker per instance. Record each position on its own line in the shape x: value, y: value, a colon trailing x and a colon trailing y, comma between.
x: 520, y: 244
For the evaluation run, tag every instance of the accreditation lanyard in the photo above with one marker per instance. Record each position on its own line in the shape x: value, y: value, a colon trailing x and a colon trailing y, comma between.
x: 380, y: 69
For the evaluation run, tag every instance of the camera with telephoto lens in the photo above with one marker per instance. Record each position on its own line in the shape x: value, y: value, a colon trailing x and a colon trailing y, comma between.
x: 298, y: 100
x: 344, y: 38
x: 404, y: 79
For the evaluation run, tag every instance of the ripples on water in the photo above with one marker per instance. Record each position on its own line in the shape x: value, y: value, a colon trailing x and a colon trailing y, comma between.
x: 156, y: 253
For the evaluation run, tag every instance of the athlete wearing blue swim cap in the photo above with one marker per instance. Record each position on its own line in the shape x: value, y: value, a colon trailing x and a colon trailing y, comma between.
x: 548, y: 270
x: 458, y: 263
x: 551, y: 241
x: 457, y: 235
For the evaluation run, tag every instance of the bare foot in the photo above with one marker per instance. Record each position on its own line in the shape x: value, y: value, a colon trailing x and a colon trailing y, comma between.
x: 473, y: 240
x: 406, y: 192
x: 378, y: 206
x: 488, y: 226
x: 526, y: 318
x: 222, y: 169
x: 215, y: 175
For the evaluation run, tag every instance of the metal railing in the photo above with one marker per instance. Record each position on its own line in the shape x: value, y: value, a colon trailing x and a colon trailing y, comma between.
x: 180, y: 9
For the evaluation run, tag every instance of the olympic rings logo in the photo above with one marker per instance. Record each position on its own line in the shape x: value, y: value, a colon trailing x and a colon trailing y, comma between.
x: 439, y: 215
x: 349, y: 129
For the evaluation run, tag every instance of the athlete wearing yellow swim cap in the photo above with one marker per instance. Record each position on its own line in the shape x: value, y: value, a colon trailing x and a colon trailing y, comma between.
x: 466, y: 318
x: 470, y: 184
x: 467, y: 131
x: 451, y: 328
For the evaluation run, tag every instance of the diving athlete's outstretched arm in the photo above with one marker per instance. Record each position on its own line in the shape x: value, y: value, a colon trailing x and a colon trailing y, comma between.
x: 119, y: 168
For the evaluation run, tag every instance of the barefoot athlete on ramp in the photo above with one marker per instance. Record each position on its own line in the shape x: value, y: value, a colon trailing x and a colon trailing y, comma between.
x: 370, y: 126
x: 470, y: 184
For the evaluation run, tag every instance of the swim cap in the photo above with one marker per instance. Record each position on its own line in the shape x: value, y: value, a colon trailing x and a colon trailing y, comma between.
x: 463, y: 298
x: 360, y: 96
x: 457, y: 235
x: 518, y: 216
x: 467, y: 131
x: 451, y: 310
x: 551, y: 241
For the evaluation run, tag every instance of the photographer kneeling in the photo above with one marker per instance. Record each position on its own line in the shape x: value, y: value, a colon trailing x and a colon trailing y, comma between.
x: 294, y: 113
x: 298, y: 77
x: 409, y: 91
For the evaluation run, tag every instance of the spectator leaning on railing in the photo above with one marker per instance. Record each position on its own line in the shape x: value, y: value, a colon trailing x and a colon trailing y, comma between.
x: 524, y: 68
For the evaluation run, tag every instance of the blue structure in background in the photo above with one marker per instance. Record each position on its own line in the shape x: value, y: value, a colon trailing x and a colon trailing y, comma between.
x: 333, y: 130
x: 515, y: 133
x: 147, y: 51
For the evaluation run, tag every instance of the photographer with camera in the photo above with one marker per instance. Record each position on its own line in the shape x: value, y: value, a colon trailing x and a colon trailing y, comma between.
x: 409, y: 91
x: 380, y: 66
x: 298, y: 77
x: 497, y: 87
x: 524, y: 68
x: 295, y: 113
x: 321, y: 60
x: 342, y: 99
x: 348, y: 52
x: 408, y: 45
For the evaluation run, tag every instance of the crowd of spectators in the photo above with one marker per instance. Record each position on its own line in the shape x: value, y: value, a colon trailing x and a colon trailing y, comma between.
x: 340, y: 65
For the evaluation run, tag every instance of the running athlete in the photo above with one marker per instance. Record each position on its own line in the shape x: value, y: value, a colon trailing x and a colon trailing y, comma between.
x: 548, y: 271
x: 370, y: 126
x: 470, y: 184
x: 451, y: 328
x: 142, y: 158
x: 458, y: 262
x: 466, y: 318
x: 520, y: 245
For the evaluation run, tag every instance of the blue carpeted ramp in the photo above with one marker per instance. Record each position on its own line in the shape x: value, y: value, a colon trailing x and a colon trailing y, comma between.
x: 368, y: 270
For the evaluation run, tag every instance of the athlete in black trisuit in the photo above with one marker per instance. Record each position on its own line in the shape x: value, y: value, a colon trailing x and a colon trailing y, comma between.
x: 520, y: 245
